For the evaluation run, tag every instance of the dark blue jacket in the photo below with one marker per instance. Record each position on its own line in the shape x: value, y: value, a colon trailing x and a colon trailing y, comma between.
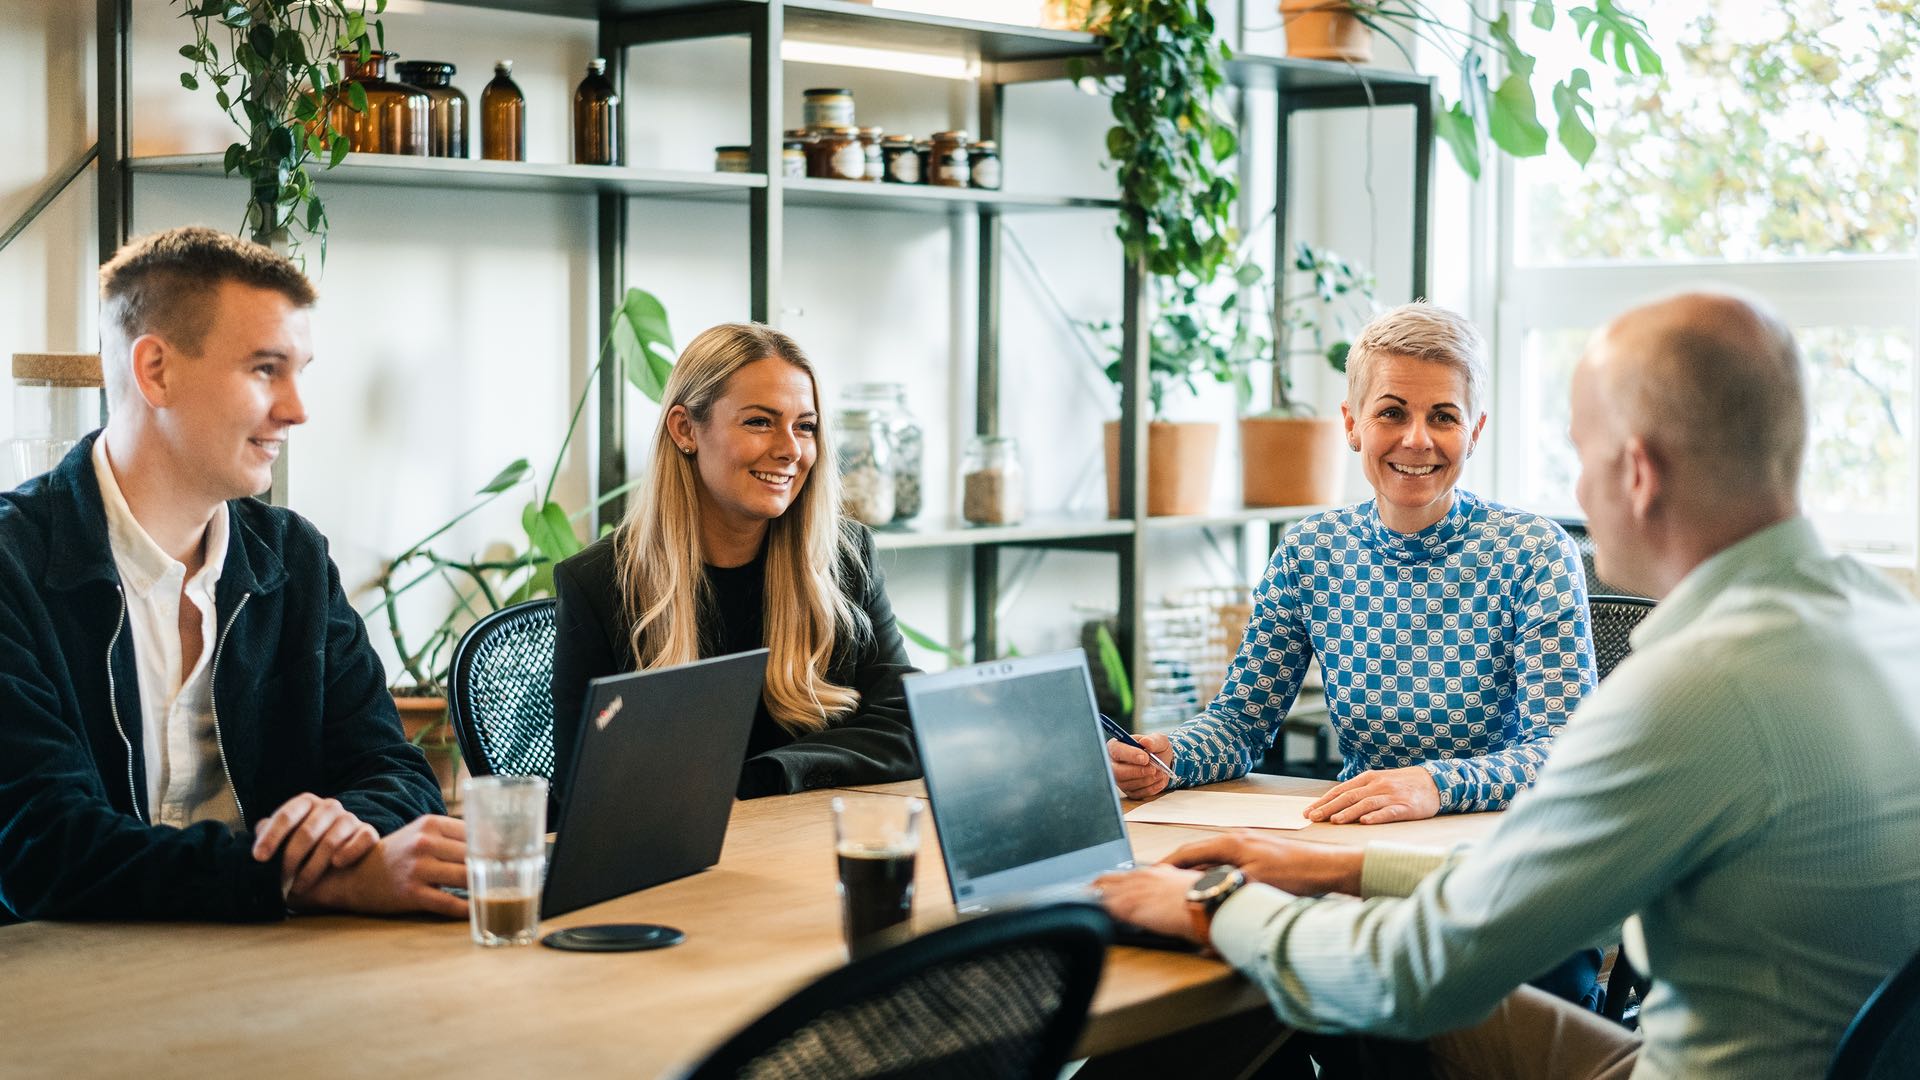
x: 299, y: 699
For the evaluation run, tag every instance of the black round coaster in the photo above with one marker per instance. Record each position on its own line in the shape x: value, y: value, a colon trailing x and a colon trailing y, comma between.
x: 614, y: 937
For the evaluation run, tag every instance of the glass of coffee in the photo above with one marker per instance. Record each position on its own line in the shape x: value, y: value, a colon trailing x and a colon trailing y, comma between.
x: 875, y: 837
x: 506, y: 850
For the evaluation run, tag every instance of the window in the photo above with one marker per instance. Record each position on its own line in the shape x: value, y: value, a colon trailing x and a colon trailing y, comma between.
x: 1777, y: 155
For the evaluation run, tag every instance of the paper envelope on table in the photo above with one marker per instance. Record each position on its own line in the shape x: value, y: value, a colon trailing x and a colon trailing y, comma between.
x: 1224, y: 809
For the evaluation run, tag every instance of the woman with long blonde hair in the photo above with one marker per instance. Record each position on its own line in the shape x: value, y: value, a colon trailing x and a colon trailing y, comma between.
x: 735, y: 541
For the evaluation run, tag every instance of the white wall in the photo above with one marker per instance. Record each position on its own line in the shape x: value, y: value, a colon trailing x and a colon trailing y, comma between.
x: 456, y: 328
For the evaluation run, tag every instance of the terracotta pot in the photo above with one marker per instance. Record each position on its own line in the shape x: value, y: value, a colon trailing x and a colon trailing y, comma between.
x: 424, y: 722
x: 1179, y: 463
x: 1326, y: 30
x: 1291, y: 461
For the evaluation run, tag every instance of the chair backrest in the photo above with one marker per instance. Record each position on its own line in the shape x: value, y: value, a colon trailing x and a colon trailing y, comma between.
x: 996, y: 998
x: 1883, y: 1042
x: 1577, y: 531
x: 1612, y: 619
x: 501, y: 692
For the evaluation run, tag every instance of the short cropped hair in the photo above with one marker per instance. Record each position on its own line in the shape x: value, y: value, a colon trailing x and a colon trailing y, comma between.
x: 1425, y: 332
x: 1721, y: 383
x: 164, y: 283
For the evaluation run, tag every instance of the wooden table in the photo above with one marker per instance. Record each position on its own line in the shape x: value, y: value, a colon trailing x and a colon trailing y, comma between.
x: 352, y: 996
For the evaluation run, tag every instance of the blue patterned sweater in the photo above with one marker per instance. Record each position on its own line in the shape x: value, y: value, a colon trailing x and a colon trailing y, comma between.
x: 1461, y: 648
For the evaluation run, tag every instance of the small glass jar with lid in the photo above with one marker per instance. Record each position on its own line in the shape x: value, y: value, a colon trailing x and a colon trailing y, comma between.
x: 899, y: 161
x: 870, y: 147
x: 56, y: 400
x: 733, y: 159
x: 825, y: 107
x: 948, y: 164
x: 836, y: 155
x: 904, y: 435
x: 865, y: 452
x: 793, y: 158
x: 983, y: 159
x: 993, y: 485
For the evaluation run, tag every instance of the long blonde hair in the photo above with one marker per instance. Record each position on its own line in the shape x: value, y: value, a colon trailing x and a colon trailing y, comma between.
x: 657, y: 554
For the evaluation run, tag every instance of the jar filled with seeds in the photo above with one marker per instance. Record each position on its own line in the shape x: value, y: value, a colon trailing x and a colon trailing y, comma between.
x: 905, y: 436
x: 994, y: 488
x: 866, y: 466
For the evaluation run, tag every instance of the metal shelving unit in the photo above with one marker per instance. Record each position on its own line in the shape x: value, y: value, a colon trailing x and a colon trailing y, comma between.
x: 1005, y: 55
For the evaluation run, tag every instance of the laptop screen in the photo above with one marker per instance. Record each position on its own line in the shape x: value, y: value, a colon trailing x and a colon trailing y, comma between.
x: 1016, y: 768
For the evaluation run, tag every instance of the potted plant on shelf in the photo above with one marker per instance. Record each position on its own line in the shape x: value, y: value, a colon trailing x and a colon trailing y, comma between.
x: 1198, y: 333
x: 1171, y: 143
x: 271, y: 65
x: 1344, y: 30
x: 477, y: 584
x: 1288, y: 456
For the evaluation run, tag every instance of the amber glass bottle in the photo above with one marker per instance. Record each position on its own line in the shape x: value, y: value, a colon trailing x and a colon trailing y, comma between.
x: 447, y: 115
x: 503, y: 117
x: 396, y: 118
x: 596, y: 118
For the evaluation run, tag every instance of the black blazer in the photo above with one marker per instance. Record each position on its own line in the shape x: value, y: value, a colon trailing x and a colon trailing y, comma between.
x: 301, y: 699
x: 873, y: 744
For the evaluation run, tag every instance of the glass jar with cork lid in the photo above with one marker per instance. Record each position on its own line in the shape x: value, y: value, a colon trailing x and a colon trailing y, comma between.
x: 56, y: 400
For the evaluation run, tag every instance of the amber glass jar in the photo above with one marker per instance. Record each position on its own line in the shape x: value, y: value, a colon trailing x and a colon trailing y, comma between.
x: 447, y: 113
x: 836, y: 155
x: 596, y: 118
x: 503, y: 117
x: 947, y: 164
x: 396, y: 118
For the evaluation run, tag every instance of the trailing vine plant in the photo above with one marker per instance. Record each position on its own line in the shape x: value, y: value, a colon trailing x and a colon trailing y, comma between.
x: 271, y: 64
x: 1163, y: 67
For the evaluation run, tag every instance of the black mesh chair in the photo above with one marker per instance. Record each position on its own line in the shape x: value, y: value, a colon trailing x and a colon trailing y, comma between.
x: 1883, y: 1042
x: 501, y: 692
x: 1577, y: 530
x: 995, y: 998
x: 1612, y: 619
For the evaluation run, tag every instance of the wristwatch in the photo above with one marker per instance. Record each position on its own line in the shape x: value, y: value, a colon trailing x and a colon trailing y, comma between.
x: 1207, y: 894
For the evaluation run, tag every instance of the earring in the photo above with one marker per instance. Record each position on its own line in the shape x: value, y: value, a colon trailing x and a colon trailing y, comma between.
x: 687, y: 450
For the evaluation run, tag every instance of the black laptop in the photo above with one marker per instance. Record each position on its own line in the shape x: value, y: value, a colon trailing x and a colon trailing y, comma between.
x: 652, y: 782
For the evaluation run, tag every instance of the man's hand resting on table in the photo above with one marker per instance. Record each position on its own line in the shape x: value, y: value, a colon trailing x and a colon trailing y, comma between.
x: 1133, y: 774
x: 318, y: 834
x: 402, y: 873
x: 1378, y: 796
x: 1294, y: 866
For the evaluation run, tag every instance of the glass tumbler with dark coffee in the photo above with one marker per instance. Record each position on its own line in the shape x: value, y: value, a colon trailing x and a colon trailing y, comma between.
x: 875, y: 838
x: 506, y: 856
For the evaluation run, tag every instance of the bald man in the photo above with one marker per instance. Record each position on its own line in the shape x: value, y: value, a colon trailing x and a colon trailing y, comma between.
x: 1742, y: 787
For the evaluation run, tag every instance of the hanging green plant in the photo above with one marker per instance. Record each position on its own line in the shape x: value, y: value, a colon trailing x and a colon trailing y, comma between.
x: 1172, y: 140
x: 271, y: 65
x: 1508, y: 113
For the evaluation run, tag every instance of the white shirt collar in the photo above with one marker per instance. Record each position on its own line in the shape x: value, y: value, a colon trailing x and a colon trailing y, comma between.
x: 142, y: 563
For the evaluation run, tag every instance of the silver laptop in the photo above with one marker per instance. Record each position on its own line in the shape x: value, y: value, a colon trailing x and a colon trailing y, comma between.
x: 1016, y: 769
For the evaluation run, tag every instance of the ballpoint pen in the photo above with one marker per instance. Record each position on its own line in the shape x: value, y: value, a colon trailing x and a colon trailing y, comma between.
x: 1119, y: 734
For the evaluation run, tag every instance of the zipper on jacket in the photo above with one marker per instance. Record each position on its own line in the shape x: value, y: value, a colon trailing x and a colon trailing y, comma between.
x: 213, y: 704
x: 113, y: 703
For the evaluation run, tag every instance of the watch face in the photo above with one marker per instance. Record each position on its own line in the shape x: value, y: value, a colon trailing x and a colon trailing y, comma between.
x: 1211, y: 882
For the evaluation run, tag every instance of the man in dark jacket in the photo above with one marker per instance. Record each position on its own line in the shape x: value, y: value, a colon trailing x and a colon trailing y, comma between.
x: 192, y: 721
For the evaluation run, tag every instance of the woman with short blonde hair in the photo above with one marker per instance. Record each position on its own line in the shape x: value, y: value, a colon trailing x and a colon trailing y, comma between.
x: 735, y: 541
